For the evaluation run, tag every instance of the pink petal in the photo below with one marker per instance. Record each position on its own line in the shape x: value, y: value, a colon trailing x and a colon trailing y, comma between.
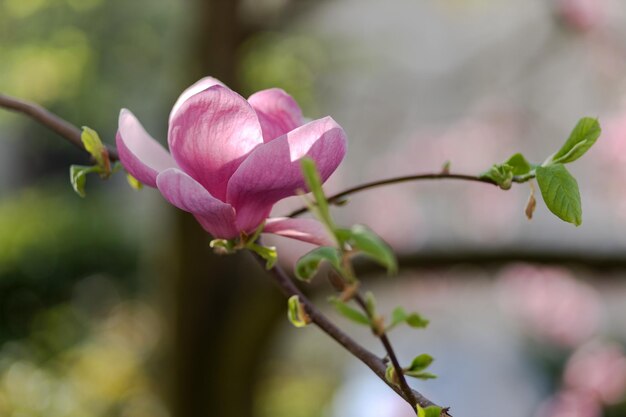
x: 215, y: 216
x: 211, y: 134
x: 306, y: 230
x: 272, y: 171
x: 194, y: 89
x: 278, y: 112
x: 139, y: 153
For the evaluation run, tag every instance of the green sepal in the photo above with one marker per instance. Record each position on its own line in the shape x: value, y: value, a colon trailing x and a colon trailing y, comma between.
x: 268, y: 253
x: 308, y: 265
x: 349, y: 312
x: 364, y: 240
x: 223, y: 246
x: 559, y: 190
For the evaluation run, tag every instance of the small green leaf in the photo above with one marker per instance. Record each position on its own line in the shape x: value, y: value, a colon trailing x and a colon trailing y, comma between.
x: 560, y: 192
x: 133, y: 182
x: 223, y: 246
x: 93, y: 145
x: 390, y: 375
x: 584, y: 135
x: 364, y: 240
x: 268, y: 253
x: 421, y: 375
x: 296, y: 312
x: 307, y: 266
x: 501, y: 174
x: 519, y: 164
x: 370, y: 303
x: 78, y: 177
x: 431, y: 411
x: 399, y: 315
x: 420, y: 363
x: 314, y: 183
x: 349, y: 312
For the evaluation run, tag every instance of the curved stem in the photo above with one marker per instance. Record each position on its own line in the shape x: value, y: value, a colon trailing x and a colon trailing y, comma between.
x: 396, y: 180
x: 58, y: 125
x: 376, y: 364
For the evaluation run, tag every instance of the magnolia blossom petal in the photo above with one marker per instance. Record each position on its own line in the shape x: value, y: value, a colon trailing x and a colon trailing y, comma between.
x: 140, y: 154
x: 192, y: 90
x: 272, y: 171
x: 306, y: 230
x: 211, y: 134
x: 215, y: 216
x: 278, y: 112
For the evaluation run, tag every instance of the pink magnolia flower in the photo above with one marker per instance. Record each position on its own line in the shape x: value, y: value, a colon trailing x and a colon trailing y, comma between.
x: 582, y: 15
x: 231, y: 159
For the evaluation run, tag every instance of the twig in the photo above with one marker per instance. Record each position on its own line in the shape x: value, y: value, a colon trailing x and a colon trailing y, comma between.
x: 382, y: 335
x: 372, y: 361
x: 58, y: 125
x: 397, y: 180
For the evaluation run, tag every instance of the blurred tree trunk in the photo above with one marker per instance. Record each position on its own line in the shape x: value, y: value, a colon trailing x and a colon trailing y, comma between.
x: 224, y: 306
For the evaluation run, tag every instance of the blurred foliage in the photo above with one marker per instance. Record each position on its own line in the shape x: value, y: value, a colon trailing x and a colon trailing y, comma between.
x: 47, y: 244
x: 102, y: 374
x: 79, y: 57
x: 288, y: 394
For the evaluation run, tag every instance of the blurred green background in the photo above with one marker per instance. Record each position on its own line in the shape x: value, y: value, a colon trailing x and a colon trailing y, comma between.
x: 114, y: 305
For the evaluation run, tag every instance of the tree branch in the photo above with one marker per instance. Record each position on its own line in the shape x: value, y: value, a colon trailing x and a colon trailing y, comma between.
x: 396, y: 180
x: 376, y: 364
x: 50, y: 120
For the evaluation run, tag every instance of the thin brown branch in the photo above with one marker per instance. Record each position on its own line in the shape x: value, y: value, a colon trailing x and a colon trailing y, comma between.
x: 382, y: 335
x: 396, y: 180
x: 376, y: 364
x: 50, y: 120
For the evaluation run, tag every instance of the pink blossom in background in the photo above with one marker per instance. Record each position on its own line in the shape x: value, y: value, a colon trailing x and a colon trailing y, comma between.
x: 570, y: 404
x: 232, y: 159
x: 551, y: 303
x: 600, y: 370
x: 583, y: 15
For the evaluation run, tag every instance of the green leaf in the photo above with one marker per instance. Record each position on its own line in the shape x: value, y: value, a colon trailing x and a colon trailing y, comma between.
x: 430, y: 411
x: 560, y: 192
x: 133, y: 182
x: 296, y: 312
x: 421, y: 375
x: 95, y: 147
x: 349, y: 312
x: 78, y: 177
x: 390, y: 375
x: 223, y: 246
x: 399, y: 315
x: 369, y: 244
x: 518, y: 164
x: 370, y: 303
x: 584, y: 135
x: 308, y: 265
x: 314, y: 183
x: 420, y: 363
x: 268, y: 253
x: 501, y: 174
